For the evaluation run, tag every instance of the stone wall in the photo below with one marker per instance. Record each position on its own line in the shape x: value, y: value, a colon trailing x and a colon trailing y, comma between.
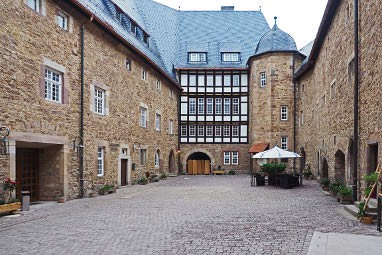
x: 29, y: 40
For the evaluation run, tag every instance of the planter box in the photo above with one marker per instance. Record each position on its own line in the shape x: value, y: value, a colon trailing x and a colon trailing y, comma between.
x: 13, y: 207
x: 345, y: 200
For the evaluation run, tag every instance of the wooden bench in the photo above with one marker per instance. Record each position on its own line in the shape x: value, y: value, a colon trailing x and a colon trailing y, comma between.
x: 219, y: 172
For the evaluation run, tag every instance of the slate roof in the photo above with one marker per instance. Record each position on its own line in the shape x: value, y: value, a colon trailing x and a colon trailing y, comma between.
x: 274, y: 41
x: 173, y: 34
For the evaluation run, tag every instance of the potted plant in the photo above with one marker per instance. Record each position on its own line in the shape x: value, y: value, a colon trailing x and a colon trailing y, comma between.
x: 345, y: 195
x: 106, y: 189
x: 9, y: 204
x: 325, y: 182
x: 231, y: 172
x: 307, y: 173
x: 163, y: 176
x: 335, y: 186
x: 363, y: 215
x: 143, y: 180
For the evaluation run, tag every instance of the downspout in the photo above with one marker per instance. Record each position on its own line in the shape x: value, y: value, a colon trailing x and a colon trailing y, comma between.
x: 356, y: 97
x: 294, y: 112
x: 81, y: 146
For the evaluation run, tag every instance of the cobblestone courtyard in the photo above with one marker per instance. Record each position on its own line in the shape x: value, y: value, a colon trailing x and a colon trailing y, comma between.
x: 182, y: 215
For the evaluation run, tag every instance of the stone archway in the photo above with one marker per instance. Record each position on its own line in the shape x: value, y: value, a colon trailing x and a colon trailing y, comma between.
x: 187, y: 155
x: 339, y: 166
x: 171, y: 162
x: 198, y: 163
x: 325, y: 168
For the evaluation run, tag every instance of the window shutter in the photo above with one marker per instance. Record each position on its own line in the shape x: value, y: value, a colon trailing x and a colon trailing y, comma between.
x: 42, y: 81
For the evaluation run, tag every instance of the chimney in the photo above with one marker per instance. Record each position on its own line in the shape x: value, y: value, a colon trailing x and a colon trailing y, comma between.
x: 228, y: 8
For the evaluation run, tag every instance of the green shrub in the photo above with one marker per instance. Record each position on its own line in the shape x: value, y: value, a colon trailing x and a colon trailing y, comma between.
x: 106, y: 187
x: 336, y: 186
x: 371, y: 178
x: 361, y: 211
x: 273, y: 168
x: 325, y: 182
x: 163, y: 176
x: 231, y: 172
x: 143, y: 181
x: 345, y: 191
x: 367, y: 191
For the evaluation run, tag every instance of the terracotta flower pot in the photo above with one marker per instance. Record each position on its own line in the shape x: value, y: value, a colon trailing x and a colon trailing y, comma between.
x: 368, y: 220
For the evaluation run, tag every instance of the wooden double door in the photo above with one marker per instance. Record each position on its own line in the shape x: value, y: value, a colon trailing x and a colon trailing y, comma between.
x: 27, y: 172
x: 198, y: 167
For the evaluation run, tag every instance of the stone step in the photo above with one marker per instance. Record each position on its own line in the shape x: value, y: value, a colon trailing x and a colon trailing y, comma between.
x: 370, y: 207
x: 373, y: 202
x: 353, y: 210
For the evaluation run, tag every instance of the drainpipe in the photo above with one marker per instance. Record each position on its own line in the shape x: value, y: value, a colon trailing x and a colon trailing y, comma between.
x: 356, y: 95
x: 81, y: 146
x: 294, y: 112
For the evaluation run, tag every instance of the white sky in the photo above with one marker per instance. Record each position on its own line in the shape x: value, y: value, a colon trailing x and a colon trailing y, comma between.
x: 299, y: 18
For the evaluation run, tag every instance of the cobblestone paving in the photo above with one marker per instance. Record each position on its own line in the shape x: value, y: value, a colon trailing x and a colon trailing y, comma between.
x: 182, y: 215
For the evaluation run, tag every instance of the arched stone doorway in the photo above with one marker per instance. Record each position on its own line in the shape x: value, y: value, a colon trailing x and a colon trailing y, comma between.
x: 339, y: 166
x: 325, y: 168
x: 302, y: 160
x: 198, y: 163
x: 171, y: 162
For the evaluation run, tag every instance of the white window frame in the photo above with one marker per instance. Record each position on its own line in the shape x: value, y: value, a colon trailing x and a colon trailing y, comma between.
x: 227, y: 80
x: 157, y: 159
x: 210, y: 80
x: 159, y: 85
x: 284, y: 142
x: 226, y: 131
x: 192, y: 105
x: 192, y: 130
x: 99, y: 101
x: 230, y: 57
x: 218, y: 106
x: 200, y: 105
x: 171, y: 127
x: 263, y: 79
x: 235, y: 106
x: 210, y: 106
x: 100, y: 161
x: 62, y: 20
x: 192, y: 80
x: 53, y: 86
x: 144, y: 74
x: 235, y: 80
x: 197, y: 57
x: 218, y: 131
x: 284, y: 112
x: 209, y: 130
x: 235, y: 131
x: 34, y: 5
x: 183, y: 130
x: 227, y: 106
x: 143, y: 117
x: 158, y: 120
x: 128, y: 64
x: 235, y: 158
x: 201, y: 131
x: 227, y: 158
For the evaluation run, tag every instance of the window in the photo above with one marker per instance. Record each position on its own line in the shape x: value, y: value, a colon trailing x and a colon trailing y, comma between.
x: 227, y: 80
x: 183, y: 130
x: 218, y: 106
x: 53, y: 85
x: 201, y: 80
x: 99, y: 100
x: 128, y: 64
x: 171, y: 127
x: 201, y: 105
x: 263, y: 79
x: 62, y: 20
x: 171, y: 93
x: 209, y: 131
x: 284, y: 142
x: 143, y: 119
x: 159, y: 85
x: 235, y: 131
x: 158, y: 118
x: 201, y: 131
x: 156, y: 159
x: 210, y: 80
x: 218, y: 131
x: 235, y: 106
x: 100, y: 161
x: 210, y: 105
x: 227, y: 105
x: 227, y: 158
x: 192, y: 106
x: 192, y: 80
x: 142, y: 157
x: 143, y: 74
x: 34, y: 4
x: 235, y: 158
x: 133, y: 29
x: 236, y: 80
x: 197, y: 57
x: 192, y: 131
x: 230, y: 57
x: 284, y: 113
x: 218, y: 80
x: 226, y: 131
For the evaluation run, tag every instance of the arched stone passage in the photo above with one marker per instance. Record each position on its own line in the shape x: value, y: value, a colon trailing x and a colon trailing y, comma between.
x: 198, y: 163
x: 339, y: 166
x: 325, y: 168
x: 171, y: 162
x: 187, y: 155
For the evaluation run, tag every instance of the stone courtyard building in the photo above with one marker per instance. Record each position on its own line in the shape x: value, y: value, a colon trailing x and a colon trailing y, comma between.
x: 103, y: 91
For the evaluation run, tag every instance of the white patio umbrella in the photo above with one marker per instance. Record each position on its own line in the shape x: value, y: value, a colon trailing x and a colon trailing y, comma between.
x: 276, y: 152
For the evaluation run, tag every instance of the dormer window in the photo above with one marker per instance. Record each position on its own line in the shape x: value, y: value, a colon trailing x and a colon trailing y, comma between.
x: 230, y: 57
x: 197, y: 57
x: 133, y: 28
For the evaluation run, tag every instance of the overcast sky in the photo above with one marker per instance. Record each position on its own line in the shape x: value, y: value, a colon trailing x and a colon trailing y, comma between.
x: 299, y: 18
